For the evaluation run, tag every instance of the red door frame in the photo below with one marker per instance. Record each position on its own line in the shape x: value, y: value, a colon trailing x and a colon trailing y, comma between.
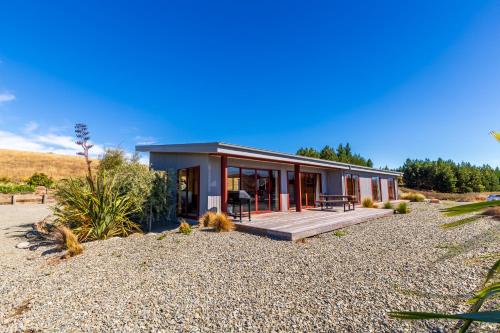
x: 197, y: 168
x: 295, y: 189
x: 358, y: 195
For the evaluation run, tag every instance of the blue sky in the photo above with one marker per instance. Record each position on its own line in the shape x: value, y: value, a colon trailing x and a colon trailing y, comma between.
x: 396, y: 79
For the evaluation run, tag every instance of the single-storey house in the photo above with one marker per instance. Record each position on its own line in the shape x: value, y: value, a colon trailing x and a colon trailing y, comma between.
x: 207, y: 172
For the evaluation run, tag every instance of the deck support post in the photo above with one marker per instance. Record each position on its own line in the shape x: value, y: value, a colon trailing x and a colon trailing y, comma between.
x: 298, y: 189
x: 223, y: 183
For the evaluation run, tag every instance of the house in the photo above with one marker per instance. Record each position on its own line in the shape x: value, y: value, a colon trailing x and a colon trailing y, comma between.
x: 206, y: 172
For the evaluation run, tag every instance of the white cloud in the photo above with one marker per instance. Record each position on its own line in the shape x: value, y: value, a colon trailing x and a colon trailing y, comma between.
x: 145, y: 140
x: 30, y: 127
x: 58, y: 144
x: 6, y: 97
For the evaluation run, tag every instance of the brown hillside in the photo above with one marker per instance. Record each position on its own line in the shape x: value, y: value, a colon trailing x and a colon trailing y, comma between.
x: 19, y: 165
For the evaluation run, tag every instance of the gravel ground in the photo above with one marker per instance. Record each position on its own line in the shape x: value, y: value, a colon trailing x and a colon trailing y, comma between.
x: 209, y: 282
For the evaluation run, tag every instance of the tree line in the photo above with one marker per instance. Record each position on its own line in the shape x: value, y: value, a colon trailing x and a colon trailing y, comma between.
x: 342, y: 154
x: 448, y: 176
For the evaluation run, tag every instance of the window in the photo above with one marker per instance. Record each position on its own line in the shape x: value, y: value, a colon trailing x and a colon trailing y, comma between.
x: 188, y: 191
x: 376, y: 195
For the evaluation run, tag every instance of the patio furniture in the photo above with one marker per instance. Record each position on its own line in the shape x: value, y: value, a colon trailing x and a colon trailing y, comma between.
x: 328, y: 201
x: 238, y: 198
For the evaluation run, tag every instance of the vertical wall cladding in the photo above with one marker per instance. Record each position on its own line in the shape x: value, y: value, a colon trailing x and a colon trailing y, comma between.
x: 214, y: 183
x: 334, y: 182
x: 365, y: 180
x: 171, y: 161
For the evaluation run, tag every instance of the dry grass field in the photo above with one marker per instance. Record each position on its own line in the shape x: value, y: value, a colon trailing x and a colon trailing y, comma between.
x: 19, y: 165
x: 464, y: 197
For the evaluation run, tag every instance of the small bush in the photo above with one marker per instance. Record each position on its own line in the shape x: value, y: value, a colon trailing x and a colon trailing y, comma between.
x: 68, y: 241
x: 412, y: 196
x: 388, y: 205
x: 340, y: 233
x: 207, y: 219
x: 40, y: 179
x: 367, y: 203
x: 185, y: 228
x: 403, y: 208
x: 222, y: 222
x: 4, y: 179
x: 16, y: 188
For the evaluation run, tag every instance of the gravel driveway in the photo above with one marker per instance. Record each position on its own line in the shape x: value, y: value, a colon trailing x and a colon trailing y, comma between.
x: 209, y: 282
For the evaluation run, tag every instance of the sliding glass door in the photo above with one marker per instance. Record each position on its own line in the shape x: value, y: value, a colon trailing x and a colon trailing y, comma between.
x: 309, y: 185
x: 188, y: 200
x: 352, y: 186
x: 262, y: 186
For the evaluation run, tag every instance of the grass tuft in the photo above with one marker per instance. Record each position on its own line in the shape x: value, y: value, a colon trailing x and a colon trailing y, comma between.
x: 68, y: 241
x: 460, y: 222
x: 207, y: 219
x: 367, y: 203
x: 403, y: 208
x: 340, y: 233
x: 222, y: 222
x: 185, y: 228
x: 412, y: 196
x: 388, y: 205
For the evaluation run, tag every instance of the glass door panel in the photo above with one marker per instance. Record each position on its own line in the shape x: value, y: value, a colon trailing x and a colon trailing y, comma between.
x: 248, y: 184
x: 308, y: 181
x: 291, y: 189
x: 263, y: 190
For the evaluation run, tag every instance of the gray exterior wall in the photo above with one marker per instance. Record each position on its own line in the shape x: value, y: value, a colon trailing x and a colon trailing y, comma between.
x: 365, y: 184
x: 166, y: 162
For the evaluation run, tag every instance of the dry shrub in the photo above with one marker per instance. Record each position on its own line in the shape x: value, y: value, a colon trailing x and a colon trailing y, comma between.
x: 412, y: 196
x: 207, y: 219
x: 185, y: 228
x: 222, y: 222
x: 492, y: 211
x: 368, y: 203
x: 67, y: 240
x: 461, y: 197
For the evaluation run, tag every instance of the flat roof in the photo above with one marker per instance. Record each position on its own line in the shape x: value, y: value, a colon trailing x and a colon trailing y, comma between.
x: 221, y: 148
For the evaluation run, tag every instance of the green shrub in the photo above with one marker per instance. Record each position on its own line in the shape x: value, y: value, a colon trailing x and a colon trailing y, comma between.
x: 99, y: 214
x: 185, y: 228
x: 412, y: 196
x: 388, y: 205
x: 150, y: 191
x: 403, y: 208
x: 16, y: 188
x: 40, y: 179
x: 367, y: 203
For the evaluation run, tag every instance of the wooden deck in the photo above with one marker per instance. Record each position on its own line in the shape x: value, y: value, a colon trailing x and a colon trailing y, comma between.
x: 292, y: 226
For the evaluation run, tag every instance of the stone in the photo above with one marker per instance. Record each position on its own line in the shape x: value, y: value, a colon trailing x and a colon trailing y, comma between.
x: 23, y: 245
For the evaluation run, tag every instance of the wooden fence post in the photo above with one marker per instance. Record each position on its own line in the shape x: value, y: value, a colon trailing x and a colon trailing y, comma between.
x: 44, y: 199
x: 13, y: 199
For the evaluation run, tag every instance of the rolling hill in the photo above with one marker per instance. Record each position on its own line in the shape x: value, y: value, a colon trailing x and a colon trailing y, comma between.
x: 19, y: 165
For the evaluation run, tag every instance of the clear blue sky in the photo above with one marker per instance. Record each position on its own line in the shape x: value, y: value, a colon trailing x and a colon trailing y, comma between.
x: 396, y: 79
